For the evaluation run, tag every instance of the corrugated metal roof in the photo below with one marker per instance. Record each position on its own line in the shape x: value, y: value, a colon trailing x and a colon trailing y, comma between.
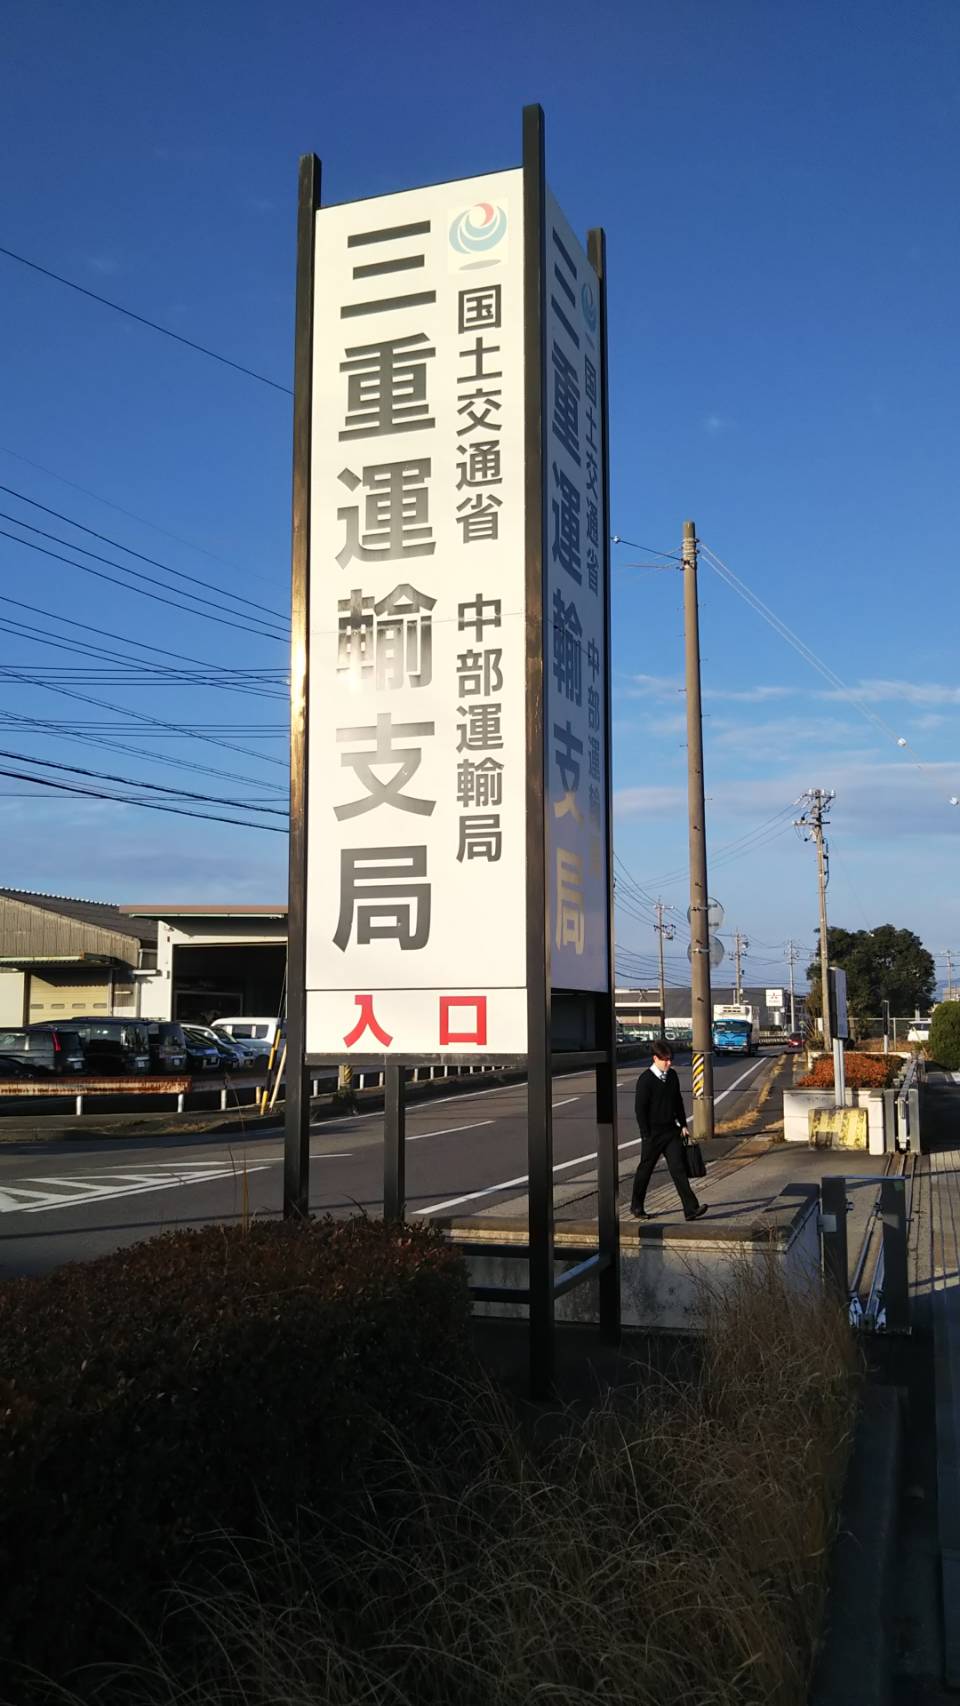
x: 205, y: 911
x: 101, y: 914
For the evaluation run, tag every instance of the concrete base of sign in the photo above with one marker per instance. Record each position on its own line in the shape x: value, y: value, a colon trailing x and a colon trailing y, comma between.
x: 878, y: 1104
x: 667, y: 1271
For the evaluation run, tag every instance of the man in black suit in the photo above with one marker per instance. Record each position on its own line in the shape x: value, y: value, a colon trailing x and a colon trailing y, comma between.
x: 663, y: 1128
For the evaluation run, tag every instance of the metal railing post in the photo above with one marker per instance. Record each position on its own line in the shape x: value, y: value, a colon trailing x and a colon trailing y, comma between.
x: 913, y: 1114
x: 394, y: 1145
x: 833, y: 1232
x: 896, y: 1285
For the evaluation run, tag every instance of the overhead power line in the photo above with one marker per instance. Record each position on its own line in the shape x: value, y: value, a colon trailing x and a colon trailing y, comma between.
x: 79, y: 792
x: 141, y: 319
x: 131, y: 515
x: 186, y: 731
x: 83, y: 648
x: 132, y: 782
x: 142, y: 717
x: 809, y: 656
x: 742, y: 844
x: 105, y: 539
x: 632, y: 544
x: 67, y: 731
x: 85, y: 568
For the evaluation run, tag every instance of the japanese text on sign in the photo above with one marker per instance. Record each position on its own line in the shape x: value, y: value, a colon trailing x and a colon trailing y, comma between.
x: 416, y: 883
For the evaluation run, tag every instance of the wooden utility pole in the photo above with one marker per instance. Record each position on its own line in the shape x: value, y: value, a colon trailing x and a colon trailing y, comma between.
x: 740, y: 946
x: 814, y: 821
x: 792, y: 953
x: 662, y: 931
x: 699, y: 898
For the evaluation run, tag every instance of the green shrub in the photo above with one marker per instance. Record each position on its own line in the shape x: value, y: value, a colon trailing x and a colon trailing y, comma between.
x: 183, y: 1385
x: 944, y: 1044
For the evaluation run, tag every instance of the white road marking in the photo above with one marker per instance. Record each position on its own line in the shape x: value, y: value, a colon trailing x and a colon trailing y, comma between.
x: 437, y: 1101
x: 9, y: 1203
x: 505, y: 1184
x: 258, y: 1162
x: 87, y: 1189
x: 523, y: 1179
x: 185, y: 1167
x: 446, y: 1130
x: 566, y: 1102
x: 739, y: 1080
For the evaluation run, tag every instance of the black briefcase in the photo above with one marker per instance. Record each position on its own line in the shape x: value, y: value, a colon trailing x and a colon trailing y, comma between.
x: 694, y: 1164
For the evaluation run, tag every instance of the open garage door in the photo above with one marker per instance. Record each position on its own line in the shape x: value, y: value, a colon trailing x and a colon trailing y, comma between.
x: 223, y: 981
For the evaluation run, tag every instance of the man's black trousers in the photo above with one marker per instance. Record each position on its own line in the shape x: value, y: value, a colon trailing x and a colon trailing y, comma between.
x: 665, y: 1141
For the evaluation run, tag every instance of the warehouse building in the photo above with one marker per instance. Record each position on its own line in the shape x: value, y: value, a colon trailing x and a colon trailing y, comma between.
x: 60, y: 956
x: 214, y: 962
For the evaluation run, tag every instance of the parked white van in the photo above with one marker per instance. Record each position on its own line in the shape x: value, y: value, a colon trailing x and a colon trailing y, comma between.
x: 255, y: 1033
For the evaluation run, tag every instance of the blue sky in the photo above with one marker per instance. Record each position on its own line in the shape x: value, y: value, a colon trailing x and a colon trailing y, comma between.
x: 778, y: 189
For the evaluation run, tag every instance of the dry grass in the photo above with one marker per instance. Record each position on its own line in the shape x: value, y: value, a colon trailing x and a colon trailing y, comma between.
x: 747, y: 1120
x: 669, y: 1549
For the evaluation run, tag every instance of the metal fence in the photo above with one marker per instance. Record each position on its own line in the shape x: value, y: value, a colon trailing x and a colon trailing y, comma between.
x: 876, y: 1293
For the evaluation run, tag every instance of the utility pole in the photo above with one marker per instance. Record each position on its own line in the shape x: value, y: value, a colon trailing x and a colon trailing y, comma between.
x: 792, y: 957
x: 668, y: 931
x: 814, y: 821
x: 948, y: 955
x: 740, y: 946
x: 696, y: 808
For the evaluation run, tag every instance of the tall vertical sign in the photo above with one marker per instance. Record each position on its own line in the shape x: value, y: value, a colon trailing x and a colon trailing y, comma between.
x: 415, y: 875
x: 576, y: 554
x: 450, y: 860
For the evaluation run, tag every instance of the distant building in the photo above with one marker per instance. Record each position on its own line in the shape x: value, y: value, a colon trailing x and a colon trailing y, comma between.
x: 60, y: 956
x: 214, y: 961
x: 639, y: 1009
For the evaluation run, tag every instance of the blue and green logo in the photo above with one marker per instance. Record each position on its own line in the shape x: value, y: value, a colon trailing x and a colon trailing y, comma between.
x: 478, y: 229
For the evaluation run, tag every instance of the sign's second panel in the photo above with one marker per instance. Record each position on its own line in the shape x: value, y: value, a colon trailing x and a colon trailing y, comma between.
x: 416, y: 875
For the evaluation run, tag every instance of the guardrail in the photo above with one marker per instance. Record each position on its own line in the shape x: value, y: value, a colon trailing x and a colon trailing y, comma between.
x: 907, y: 1106
x: 888, y: 1300
x: 231, y: 1089
x: 232, y: 1092
x: 79, y: 1089
x: 75, y: 1089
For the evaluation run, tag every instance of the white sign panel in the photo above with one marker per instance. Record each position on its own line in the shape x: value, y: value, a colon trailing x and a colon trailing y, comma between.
x: 774, y: 997
x: 576, y: 663
x: 416, y: 902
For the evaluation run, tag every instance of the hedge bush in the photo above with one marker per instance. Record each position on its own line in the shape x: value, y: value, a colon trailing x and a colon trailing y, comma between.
x: 862, y: 1072
x: 663, y: 1545
x: 186, y: 1383
x: 944, y: 1044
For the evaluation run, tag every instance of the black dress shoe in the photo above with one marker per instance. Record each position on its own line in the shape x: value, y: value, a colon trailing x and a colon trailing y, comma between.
x: 698, y: 1213
x: 640, y: 1214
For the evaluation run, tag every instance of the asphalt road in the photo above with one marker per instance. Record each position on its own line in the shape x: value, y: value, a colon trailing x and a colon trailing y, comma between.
x: 81, y: 1198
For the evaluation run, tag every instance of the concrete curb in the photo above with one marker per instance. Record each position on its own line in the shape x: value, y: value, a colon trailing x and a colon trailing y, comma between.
x: 856, y: 1658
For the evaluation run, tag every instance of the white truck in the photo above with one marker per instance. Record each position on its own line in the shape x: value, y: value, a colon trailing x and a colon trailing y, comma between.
x: 736, y: 1028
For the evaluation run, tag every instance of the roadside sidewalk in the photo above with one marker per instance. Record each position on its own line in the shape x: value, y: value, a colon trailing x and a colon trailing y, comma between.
x: 927, y: 1628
